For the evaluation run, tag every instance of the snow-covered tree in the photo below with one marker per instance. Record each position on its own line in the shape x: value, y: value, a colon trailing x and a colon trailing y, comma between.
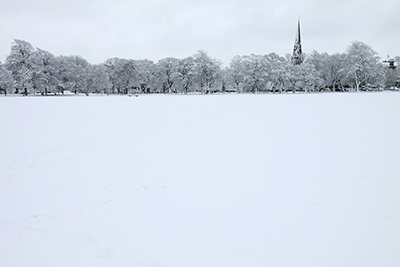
x: 36, y: 70
x: 397, y: 70
x: 310, y: 79
x: 20, y: 64
x: 208, y: 71
x: 391, y: 77
x: 7, y: 83
x: 64, y: 73
x: 363, y: 66
x: 44, y: 79
x: 110, y: 67
x: 167, y: 74
x: 146, y: 75
x: 276, y: 71
x: 185, y: 71
x: 320, y: 63
x: 236, y: 73
x: 123, y: 74
x: 336, y: 75
x: 97, y: 80
x: 291, y: 75
x: 79, y: 73
x: 255, y: 71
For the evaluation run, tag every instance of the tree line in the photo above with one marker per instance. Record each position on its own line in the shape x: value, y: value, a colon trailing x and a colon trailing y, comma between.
x: 29, y: 70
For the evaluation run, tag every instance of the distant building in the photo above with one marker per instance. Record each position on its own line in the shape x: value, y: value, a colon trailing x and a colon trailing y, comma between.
x: 390, y: 63
x: 297, y: 57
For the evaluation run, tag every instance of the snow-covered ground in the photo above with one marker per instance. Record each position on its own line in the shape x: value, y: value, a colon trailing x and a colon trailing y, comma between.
x: 200, y: 181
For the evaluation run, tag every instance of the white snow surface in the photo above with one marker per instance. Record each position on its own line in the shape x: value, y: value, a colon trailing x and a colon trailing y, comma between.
x: 200, y: 181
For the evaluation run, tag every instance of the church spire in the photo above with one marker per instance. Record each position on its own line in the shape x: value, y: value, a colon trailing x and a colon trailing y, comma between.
x: 297, y: 57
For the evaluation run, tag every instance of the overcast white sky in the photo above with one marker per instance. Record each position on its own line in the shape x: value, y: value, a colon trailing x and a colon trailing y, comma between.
x: 155, y: 29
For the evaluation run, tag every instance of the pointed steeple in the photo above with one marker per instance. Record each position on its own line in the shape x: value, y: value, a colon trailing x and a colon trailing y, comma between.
x: 297, y: 57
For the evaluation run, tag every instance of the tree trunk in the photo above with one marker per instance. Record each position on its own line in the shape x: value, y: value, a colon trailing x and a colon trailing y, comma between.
x: 357, y: 82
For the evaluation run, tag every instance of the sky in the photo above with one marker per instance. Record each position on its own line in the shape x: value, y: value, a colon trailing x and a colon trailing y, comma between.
x: 156, y: 29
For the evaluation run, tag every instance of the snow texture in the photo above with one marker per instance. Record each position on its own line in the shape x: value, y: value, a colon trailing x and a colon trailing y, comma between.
x: 200, y: 181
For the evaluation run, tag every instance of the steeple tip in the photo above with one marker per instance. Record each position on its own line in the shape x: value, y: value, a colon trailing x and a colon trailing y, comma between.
x: 297, y: 57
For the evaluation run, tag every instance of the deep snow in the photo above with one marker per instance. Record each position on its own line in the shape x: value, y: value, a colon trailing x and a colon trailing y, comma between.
x: 200, y: 181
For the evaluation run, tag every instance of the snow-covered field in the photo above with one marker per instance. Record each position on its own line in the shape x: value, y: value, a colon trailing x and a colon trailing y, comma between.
x: 200, y: 181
